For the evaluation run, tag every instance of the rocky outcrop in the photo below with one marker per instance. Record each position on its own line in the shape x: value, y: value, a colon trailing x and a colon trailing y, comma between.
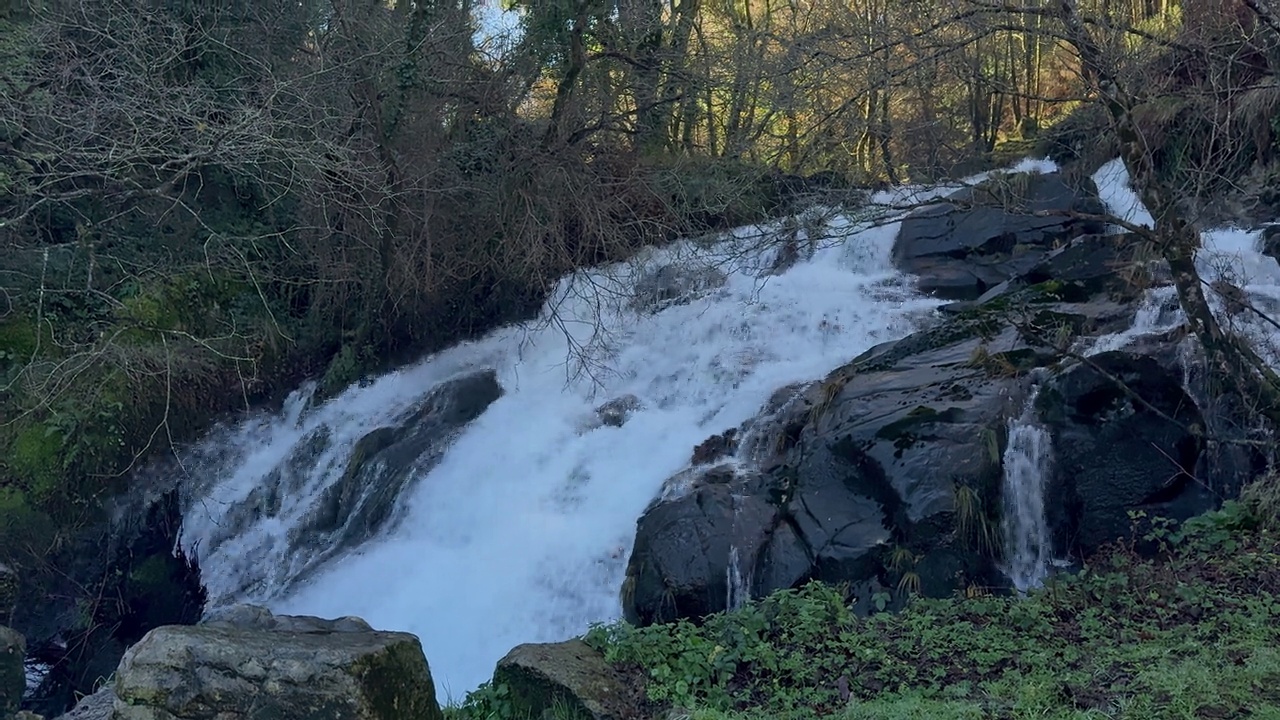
x: 888, y: 474
x: 568, y: 678
x: 982, y: 236
x: 331, y: 498
x: 13, y: 679
x: 128, y: 557
x: 254, y: 666
x: 886, y: 471
x: 614, y: 413
x: 674, y: 284
x: 1114, y: 453
x: 385, y: 460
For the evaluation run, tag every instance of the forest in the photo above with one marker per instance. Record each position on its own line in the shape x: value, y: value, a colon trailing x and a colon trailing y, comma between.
x: 205, y: 203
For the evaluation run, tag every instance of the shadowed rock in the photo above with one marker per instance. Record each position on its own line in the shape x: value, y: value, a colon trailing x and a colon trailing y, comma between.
x: 982, y: 236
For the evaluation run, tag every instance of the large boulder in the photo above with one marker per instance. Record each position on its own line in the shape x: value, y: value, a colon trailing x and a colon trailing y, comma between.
x: 13, y: 678
x: 259, y: 667
x: 854, y: 479
x: 1113, y: 453
x: 689, y: 548
x: 568, y: 679
x: 984, y: 235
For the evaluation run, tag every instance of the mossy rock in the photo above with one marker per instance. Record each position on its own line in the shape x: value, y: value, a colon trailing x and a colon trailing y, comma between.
x: 207, y: 672
x: 35, y: 457
x: 569, y: 678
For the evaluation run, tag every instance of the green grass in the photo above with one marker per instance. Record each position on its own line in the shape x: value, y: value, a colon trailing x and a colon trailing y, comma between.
x: 1192, y: 633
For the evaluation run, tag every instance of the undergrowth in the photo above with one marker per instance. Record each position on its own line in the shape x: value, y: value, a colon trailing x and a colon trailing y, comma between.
x: 1191, y: 633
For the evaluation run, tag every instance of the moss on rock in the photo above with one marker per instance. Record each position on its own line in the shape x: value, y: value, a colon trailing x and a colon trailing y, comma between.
x: 571, y: 678
x: 396, y: 682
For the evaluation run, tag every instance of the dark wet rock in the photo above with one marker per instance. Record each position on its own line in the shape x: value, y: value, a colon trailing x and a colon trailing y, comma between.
x: 385, y: 462
x: 1083, y: 268
x: 840, y: 511
x: 1271, y: 242
x: 210, y: 672
x: 716, y: 447
x: 13, y: 678
x: 674, y: 284
x: 569, y: 677
x: 888, y: 473
x: 128, y: 557
x: 617, y: 411
x: 686, y: 547
x: 979, y: 237
x: 1114, y: 454
x: 849, y: 468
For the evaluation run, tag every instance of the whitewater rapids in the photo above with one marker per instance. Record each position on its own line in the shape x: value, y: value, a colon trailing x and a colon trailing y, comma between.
x: 521, y: 533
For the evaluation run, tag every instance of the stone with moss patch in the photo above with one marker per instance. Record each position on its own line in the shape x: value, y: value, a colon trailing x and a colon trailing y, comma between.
x: 219, y: 671
x: 570, y: 679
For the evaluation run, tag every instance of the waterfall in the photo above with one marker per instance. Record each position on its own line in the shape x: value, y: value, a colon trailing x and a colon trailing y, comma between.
x: 1227, y: 254
x: 737, y: 583
x: 520, y: 528
x: 1027, y: 463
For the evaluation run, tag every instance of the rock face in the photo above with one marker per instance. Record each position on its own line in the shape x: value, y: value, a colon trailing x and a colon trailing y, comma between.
x: 13, y: 679
x: 1113, y: 454
x: 982, y: 236
x: 888, y: 471
x: 128, y: 557
x: 570, y: 677
x: 674, y: 284
x: 888, y: 475
x: 854, y: 476
x: 327, y: 517
x: 254, y: 666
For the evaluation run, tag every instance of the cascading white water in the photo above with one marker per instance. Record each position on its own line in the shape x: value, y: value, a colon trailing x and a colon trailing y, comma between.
x: 1229, y: 254
x: 737, y: 583
x: 1027, y: 464
x: 522, y: 531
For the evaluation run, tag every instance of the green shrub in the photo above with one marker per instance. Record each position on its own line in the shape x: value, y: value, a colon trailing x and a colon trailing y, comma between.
x: 1192, y: 633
